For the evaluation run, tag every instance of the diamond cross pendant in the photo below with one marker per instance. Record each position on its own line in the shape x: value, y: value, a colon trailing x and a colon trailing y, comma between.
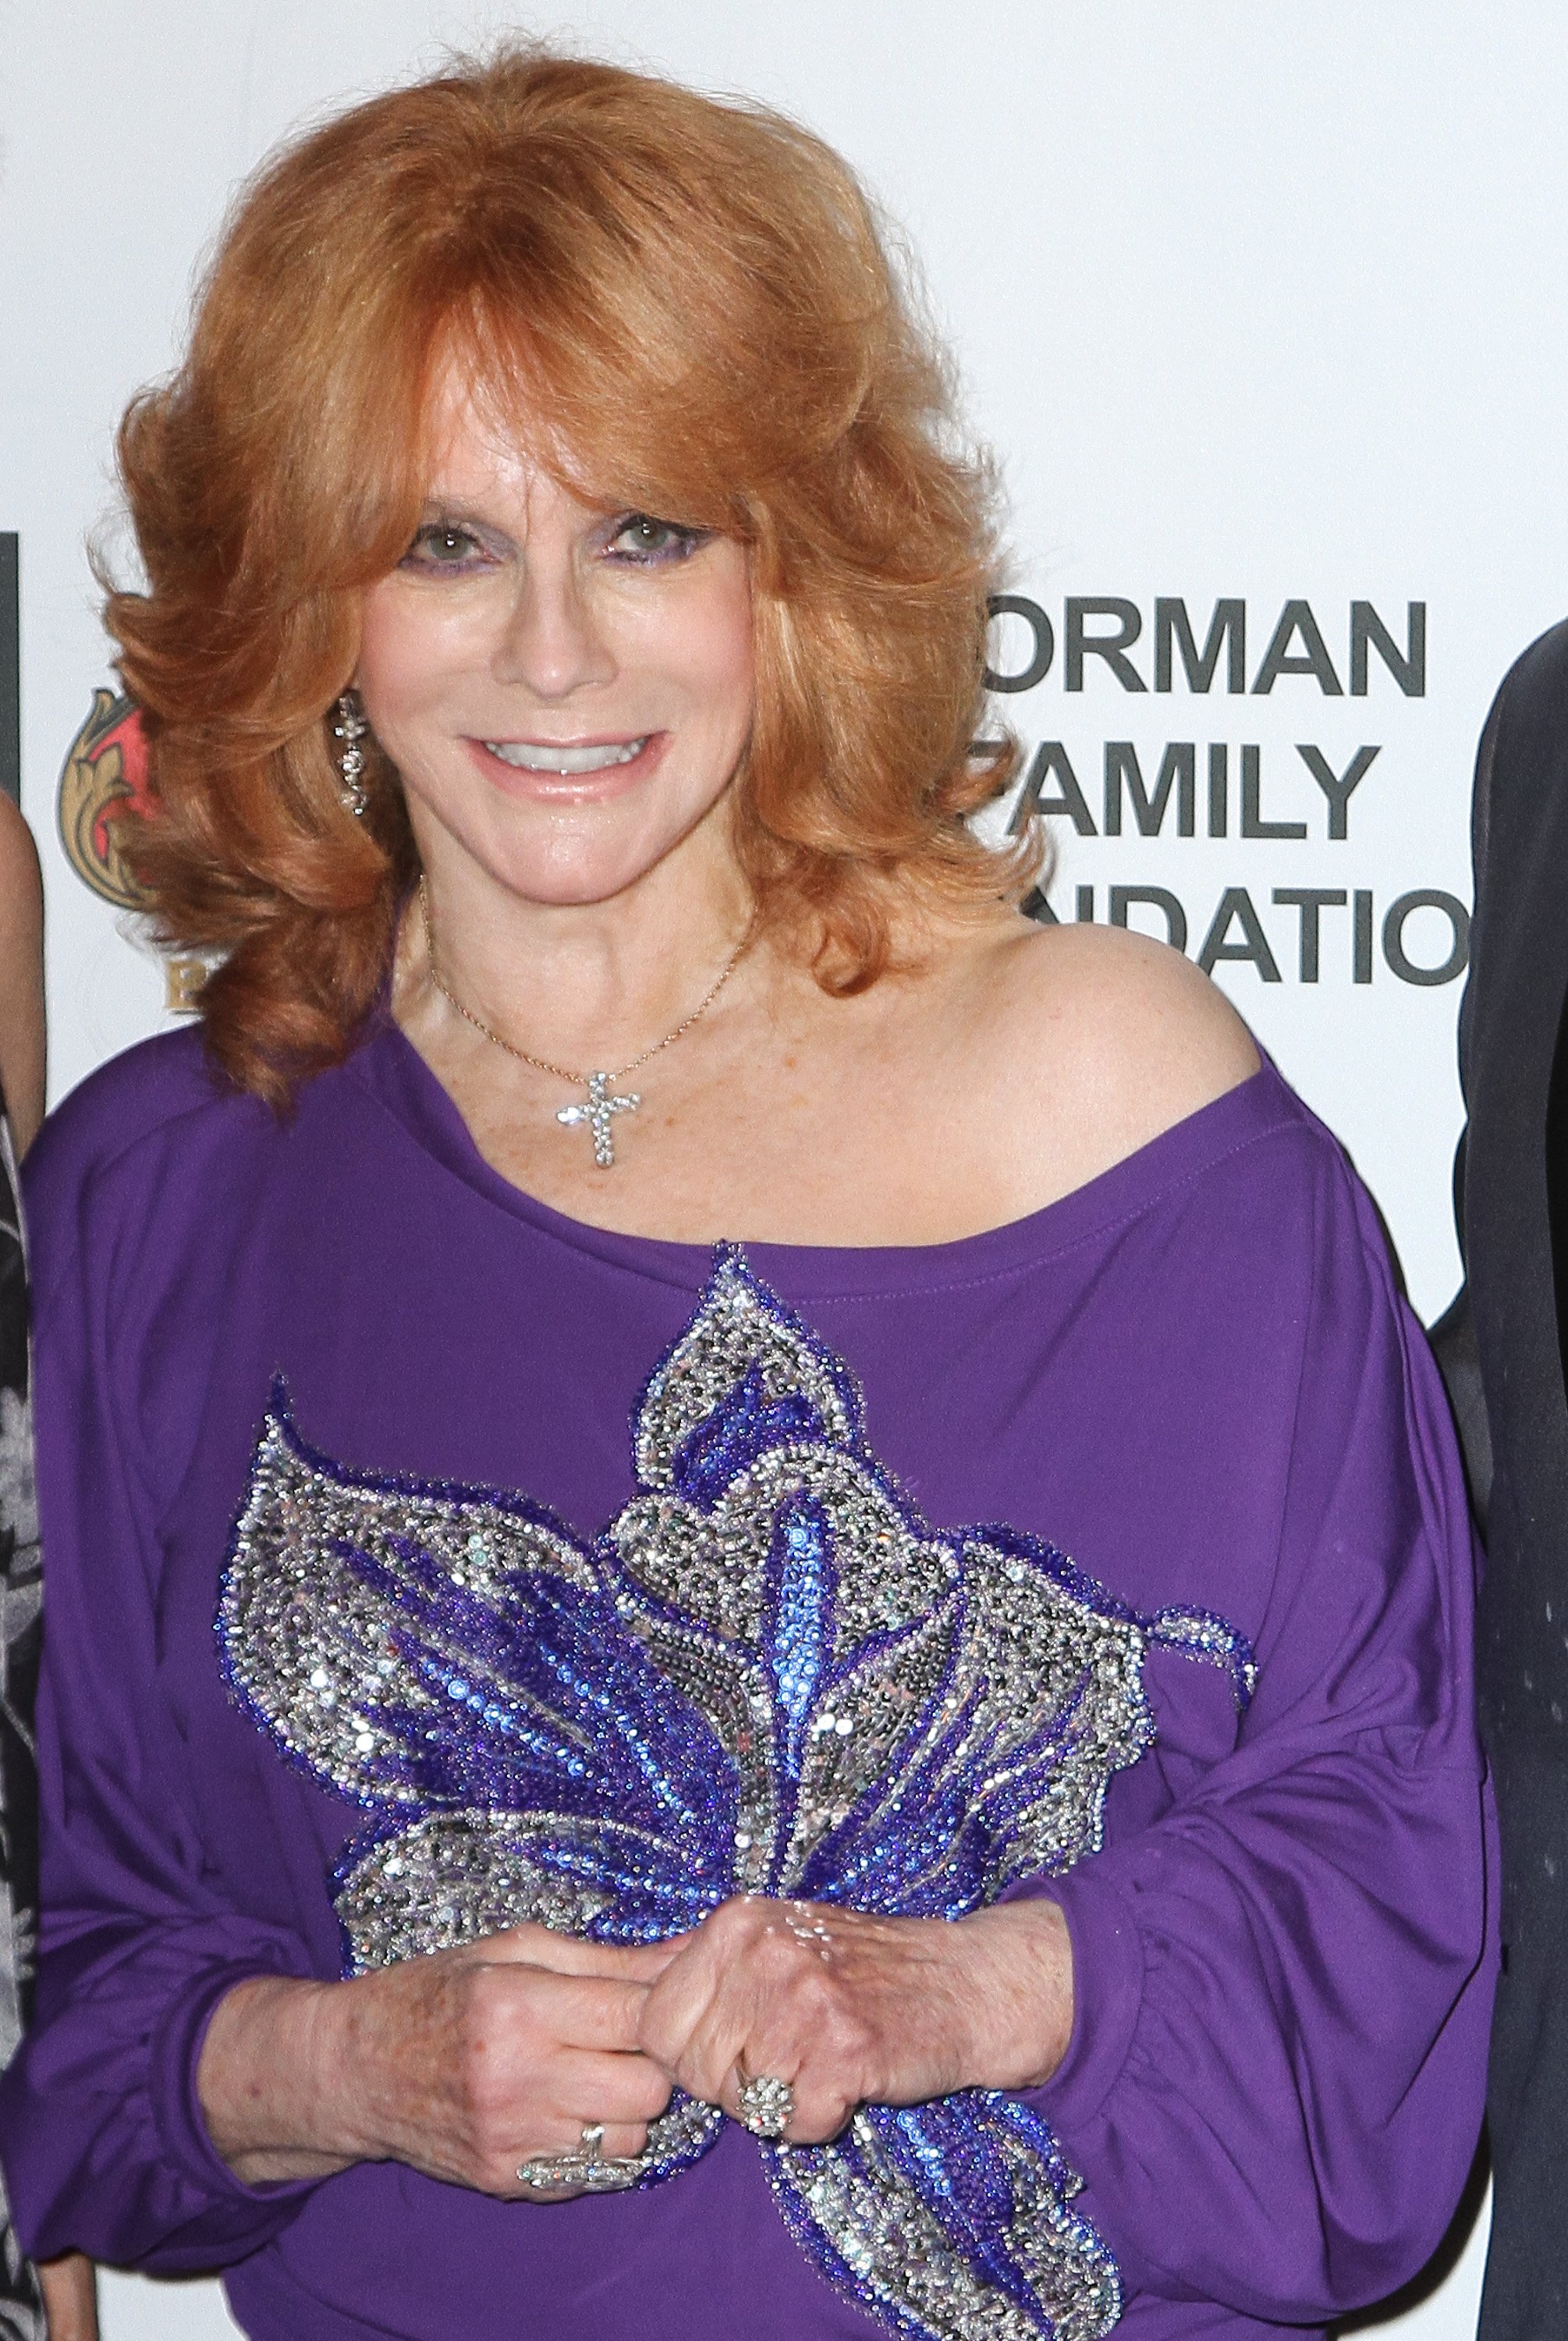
x: 596, y: 1115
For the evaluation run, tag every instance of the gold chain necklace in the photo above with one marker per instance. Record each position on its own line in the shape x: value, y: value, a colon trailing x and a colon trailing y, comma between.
x: 595, y: 1112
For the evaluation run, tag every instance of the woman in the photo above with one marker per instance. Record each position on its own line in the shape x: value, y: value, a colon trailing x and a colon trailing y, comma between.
x: 57, y: 2298
x: 630, y: 1861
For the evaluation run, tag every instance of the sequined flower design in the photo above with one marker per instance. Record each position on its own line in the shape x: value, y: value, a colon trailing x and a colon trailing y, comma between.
x: 767, y: 1675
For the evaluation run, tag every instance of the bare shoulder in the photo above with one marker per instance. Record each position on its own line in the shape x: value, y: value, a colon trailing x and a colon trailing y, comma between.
x: 1115, y: 1037
x: 1131, y: 1007
x: 21, y: 975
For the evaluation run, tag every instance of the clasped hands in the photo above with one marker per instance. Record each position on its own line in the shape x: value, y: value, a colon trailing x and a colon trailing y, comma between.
x: 468, y: 2063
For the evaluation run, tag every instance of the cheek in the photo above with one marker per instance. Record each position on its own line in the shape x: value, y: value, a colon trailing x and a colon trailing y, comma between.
x: 735, y: 676
x: 407, y: 654
x: 382, y: 655
x: 719, y: 656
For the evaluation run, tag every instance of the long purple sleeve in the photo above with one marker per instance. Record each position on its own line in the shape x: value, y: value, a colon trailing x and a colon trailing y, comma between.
x: 1282, y: 1981
x: 1193, y: 1376
x: 142, y: 1940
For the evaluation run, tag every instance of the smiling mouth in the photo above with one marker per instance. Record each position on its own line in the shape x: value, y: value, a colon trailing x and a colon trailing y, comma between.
x: 536, y: 756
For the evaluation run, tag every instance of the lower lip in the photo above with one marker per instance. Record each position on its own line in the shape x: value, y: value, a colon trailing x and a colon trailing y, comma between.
x: 570, y: 788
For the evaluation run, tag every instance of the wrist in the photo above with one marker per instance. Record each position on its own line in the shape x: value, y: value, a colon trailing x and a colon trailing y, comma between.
x: 1022, y: 2001
x: 265, y: 2080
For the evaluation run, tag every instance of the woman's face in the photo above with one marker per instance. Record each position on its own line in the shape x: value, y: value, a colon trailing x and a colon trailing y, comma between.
x: 566, y: 691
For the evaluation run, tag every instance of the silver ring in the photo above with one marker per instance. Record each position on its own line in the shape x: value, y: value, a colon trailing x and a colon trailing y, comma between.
x: 767, y: 2106
x: 589, y: 2170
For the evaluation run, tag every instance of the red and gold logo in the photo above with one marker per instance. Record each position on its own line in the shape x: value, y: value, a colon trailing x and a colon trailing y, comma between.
x: 105, y: 766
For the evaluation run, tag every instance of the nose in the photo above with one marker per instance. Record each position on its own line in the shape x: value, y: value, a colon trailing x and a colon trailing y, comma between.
x: 552, y: 641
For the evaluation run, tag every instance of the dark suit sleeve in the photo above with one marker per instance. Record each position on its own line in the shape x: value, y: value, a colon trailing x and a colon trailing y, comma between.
x: 1514, y: 1229
x: 1481, y: 808
x: 1453, y: 1335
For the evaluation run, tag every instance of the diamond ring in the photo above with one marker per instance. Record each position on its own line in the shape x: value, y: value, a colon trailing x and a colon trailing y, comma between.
x: 767, y: 2106
x: 588, y: 2169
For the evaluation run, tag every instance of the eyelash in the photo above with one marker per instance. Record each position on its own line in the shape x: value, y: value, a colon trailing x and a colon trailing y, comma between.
x: 416, y: 557
x: 681, y: 544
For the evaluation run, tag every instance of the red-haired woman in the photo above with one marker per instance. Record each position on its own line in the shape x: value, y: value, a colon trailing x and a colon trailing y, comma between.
x: 633, y: 1856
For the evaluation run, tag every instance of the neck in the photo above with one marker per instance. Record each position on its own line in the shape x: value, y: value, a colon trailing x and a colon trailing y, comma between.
x: 582, y: 985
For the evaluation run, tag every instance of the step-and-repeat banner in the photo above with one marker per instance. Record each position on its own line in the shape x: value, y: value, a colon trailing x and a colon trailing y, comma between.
x: 1263, y: 309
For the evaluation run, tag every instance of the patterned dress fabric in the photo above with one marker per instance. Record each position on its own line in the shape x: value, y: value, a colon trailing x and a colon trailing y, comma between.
x: 419, y: 1557
x: 766, y: 1675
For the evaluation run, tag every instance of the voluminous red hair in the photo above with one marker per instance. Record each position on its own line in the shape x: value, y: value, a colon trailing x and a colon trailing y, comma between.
x: 695, y: 298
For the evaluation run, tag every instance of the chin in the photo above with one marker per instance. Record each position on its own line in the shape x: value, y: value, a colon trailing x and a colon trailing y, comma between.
x: 575, y: 871
x: 578, y: 886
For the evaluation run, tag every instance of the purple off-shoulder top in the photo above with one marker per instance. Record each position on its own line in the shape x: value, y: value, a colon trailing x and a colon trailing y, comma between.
x: 1193, y: 1376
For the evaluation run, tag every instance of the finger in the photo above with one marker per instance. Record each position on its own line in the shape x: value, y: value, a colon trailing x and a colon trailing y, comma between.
x: 819, y: 2110
x: 542, y: 1946
x: 680, y: 2001
x: 549, y: 2141
x: 619, y: 2142
x: 594, y: 2012
x: 750, y: 2001
x: 611, y: 2089
x: 725, y: 2003
x: 727, y: 2042
x: 617, y: 2096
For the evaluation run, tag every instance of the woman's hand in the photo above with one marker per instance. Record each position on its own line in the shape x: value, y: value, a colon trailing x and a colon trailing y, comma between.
x: 850, y: 2010
x: 462, y: 2064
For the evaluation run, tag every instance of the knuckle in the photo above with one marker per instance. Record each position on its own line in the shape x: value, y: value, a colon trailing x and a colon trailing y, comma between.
x: 810, y: 2006
x: 494, y: 2042
x: 735, y: 1922
x: 472, y: 1999
x: 779, y: 1949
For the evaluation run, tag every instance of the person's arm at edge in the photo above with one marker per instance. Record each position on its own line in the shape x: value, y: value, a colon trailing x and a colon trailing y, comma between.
x: 70, y: 2298
x: 21, y: 1039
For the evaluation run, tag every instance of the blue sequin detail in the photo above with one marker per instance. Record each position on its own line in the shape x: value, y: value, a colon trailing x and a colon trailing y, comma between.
x: 766, y: 1674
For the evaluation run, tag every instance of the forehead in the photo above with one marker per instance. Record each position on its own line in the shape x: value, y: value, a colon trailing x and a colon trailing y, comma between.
x: 474, y: 434
x: 485, y: 425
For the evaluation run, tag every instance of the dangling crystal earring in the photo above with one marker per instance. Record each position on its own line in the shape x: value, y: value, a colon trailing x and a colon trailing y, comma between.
x: 350, y: 727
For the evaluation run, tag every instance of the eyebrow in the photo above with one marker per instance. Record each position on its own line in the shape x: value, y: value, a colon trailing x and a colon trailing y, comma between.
x: 457, y: 513
x: 441, y: 507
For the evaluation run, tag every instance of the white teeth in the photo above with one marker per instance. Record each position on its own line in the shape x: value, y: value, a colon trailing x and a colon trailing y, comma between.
x: 532, y: 756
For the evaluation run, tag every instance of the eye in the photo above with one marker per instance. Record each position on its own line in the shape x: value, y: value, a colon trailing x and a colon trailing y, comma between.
x: 443, y: 544
x: 643, y: 538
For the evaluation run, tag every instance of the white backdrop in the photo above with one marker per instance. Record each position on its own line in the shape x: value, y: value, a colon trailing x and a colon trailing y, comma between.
x: 1259, y: 304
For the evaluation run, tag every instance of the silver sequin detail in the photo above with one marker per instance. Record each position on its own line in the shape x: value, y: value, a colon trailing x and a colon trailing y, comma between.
x: 878, y: 1689
x: 905, y: 2267
x: 455, y: 1878
x: 315, y: 1647
x: 733, y: 1329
